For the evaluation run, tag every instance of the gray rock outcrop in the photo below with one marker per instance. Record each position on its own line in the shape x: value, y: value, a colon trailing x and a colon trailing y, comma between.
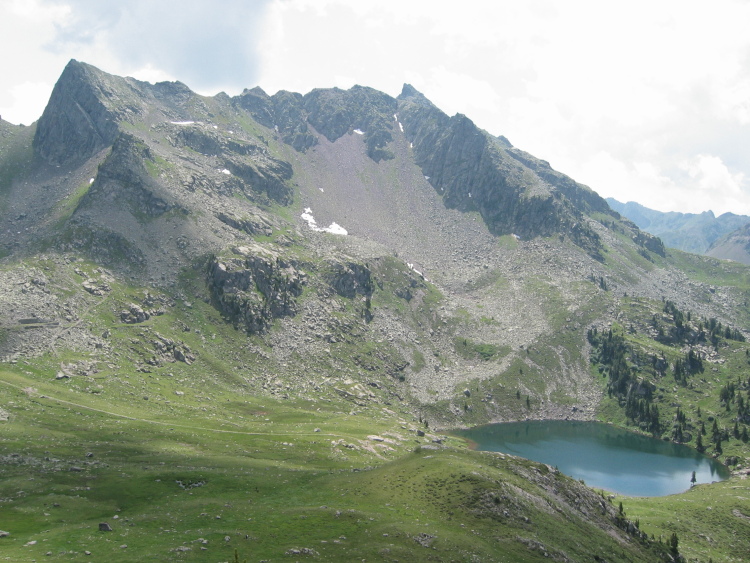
x: 254, y: 287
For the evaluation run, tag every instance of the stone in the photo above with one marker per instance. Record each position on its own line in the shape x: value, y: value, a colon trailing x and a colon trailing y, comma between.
x: 302, y: 551
x: 135, y: 314
x: 95, y: 288
x: 425, y: 540
x: 104, y: 527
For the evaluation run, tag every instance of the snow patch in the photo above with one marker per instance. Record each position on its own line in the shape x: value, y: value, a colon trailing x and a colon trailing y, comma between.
x: 426, y: 177
x: 359, y: 132
x: 336, y: 229
x: 400, y: 125
x: 321, y: 190
x: 182, y: 122
x: 413, y: 269
x: 91, y: 181
x: 227, y: 172
x: 333, y: 228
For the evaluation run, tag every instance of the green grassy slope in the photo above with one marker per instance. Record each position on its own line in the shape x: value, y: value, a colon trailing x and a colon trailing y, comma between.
x: 286, y: 478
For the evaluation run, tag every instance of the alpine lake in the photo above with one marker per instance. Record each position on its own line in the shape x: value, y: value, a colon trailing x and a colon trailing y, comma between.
x: 603, y: 456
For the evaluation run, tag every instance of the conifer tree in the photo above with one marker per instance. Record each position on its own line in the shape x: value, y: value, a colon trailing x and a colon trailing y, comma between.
x: 674, y: 543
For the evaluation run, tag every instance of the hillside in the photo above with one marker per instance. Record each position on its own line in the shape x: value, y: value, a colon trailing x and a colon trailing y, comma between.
x: 250, y: 323
x: 690, y: 232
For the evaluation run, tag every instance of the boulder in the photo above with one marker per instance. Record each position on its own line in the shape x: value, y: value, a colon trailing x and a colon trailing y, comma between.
x: 425, y: 540
x: 135, y: 314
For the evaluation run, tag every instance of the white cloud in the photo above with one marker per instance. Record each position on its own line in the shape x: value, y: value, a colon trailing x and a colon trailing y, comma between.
x: 28, y: 71
x: 714, y: 184
x: 208, y: 46
x: 701, y: 183
x: 24, y: 102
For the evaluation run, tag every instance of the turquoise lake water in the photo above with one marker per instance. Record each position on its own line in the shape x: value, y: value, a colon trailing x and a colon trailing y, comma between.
x: 604, y: 456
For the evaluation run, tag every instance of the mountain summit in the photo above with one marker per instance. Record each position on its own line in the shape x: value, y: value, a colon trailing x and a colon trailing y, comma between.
x: 470, y: 170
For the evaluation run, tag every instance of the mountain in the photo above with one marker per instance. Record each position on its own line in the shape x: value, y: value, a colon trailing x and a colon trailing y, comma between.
x: 250, y: 323
x: 691, y: 232
x: 733, y: 246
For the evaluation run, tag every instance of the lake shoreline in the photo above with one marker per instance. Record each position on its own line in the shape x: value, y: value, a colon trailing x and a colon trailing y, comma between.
x: 603, y: 455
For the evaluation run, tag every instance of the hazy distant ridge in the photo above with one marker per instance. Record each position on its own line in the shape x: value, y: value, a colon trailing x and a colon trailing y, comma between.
x: 691, y: 232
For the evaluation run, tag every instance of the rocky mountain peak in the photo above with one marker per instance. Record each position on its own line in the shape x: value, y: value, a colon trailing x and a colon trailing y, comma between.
x: 514, y: 192
x: 78, y: 120
x: 409, y: 92
x: 471, y: 170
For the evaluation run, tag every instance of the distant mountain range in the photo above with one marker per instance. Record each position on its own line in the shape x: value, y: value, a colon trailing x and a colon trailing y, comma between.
x: 700, y: 233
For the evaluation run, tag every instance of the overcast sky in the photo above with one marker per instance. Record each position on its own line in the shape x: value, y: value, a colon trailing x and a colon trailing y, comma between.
x: 643, y: 101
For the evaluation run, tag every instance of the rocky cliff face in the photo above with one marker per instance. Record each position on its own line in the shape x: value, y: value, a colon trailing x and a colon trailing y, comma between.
x: 254, y: 287
x: 514, y: 192
x: 331, y: 112
x: 82, y: 117
x: 123, y: 180
x: 249, y: 162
